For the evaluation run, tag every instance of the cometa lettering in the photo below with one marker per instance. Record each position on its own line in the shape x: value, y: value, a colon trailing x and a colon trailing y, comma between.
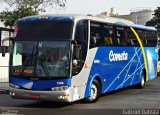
x: 117, y: 56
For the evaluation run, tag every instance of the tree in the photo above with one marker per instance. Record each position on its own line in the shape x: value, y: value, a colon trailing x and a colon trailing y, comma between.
x: 36, y: 5
x: 23, y: 8
x: 156, y: 20
x: 157, y: 12
x: 10, y: 17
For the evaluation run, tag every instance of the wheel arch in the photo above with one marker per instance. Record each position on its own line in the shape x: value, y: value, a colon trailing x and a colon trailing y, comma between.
x: 89, y: 84
x: 96, y: 77
x: 99, y: 80
x: 96, y: 80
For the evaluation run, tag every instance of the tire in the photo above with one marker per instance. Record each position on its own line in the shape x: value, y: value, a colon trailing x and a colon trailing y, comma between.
x: 142, y: 83
x: 95, y: 92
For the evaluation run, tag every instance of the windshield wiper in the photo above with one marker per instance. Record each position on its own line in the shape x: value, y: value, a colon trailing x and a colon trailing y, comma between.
x: 41, y: 64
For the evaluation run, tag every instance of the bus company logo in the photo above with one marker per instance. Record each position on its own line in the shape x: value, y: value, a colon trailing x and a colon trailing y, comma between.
x: 118, y: 56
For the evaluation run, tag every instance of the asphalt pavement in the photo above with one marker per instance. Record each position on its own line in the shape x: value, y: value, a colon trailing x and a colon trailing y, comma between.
x: 128, y: 101
x: 4, y: 88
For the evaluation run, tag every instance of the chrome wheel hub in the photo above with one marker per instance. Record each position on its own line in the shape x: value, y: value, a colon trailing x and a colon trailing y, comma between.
x: 93, y: 92
x: 142, y: 81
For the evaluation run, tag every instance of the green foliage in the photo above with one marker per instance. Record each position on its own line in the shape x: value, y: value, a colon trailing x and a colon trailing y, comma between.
x: 23, y: 8
x: 10, y: 17
x: 157, y: 13
x: 155, y: 22
x: 156, y: 19
x: 36, y: 5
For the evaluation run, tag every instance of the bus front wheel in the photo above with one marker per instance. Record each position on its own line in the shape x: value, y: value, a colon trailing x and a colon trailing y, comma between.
x: 95, y: 92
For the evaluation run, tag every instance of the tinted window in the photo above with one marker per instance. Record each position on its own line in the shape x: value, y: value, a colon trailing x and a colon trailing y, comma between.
x: 44, y: 59
x: 45, y: 29
x: 96, y: 34
x: 141, y: 34
x: 132, y: 38
x: 151, y: 38
x: 148, y: 38
x: 120, y: 36
x: 108, y: 35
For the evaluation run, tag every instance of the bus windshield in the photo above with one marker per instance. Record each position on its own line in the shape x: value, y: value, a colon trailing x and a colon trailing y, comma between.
x: 42, y: 59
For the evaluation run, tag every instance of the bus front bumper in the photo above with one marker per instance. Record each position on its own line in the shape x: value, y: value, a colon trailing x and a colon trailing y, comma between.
x: 60, y: 96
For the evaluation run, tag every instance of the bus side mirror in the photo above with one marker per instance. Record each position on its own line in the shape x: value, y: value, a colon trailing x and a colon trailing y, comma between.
x: 3, y: 50
x: 77, y: 51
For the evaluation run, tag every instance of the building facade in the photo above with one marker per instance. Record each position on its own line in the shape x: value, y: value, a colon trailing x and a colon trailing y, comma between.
x: 137, y: 15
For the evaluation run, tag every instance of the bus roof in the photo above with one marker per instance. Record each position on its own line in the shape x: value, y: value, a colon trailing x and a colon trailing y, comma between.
x: 112, y: 20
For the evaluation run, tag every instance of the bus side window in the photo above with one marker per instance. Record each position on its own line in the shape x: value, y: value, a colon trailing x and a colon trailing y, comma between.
x: 151, y: 38
x: 120, y: 36
x: 127, y: 39
x: 96, y: 32
x: 141, y: 35
x: 132, y: 38
x: 92, y: 41
x: 81, y: 36
x: 108, y: 35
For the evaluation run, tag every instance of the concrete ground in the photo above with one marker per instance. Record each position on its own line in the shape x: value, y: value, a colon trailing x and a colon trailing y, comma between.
x: 4, y: 87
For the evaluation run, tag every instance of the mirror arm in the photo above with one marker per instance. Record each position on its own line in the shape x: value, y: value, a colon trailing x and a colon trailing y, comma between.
x: 74, y: 42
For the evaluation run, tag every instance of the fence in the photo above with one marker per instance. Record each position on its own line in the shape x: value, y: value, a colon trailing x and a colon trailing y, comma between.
x: 4, y: 74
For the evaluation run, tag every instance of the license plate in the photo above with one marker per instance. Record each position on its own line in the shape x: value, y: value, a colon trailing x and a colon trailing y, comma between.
x: 34, y: 96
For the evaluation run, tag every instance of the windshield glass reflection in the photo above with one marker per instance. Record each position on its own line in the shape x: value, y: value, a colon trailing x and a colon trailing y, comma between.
x: 40, y: 59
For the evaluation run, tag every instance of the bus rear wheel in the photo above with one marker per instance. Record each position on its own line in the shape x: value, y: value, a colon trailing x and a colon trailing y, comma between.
x: 142, y: 82
x: 95, y: 92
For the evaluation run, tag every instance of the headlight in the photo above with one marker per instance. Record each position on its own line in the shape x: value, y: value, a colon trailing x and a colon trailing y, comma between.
x: 61, y: 88
x: 14, y: 86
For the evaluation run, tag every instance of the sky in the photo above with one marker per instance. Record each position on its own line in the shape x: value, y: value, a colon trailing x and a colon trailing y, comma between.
x: 97, y: 6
